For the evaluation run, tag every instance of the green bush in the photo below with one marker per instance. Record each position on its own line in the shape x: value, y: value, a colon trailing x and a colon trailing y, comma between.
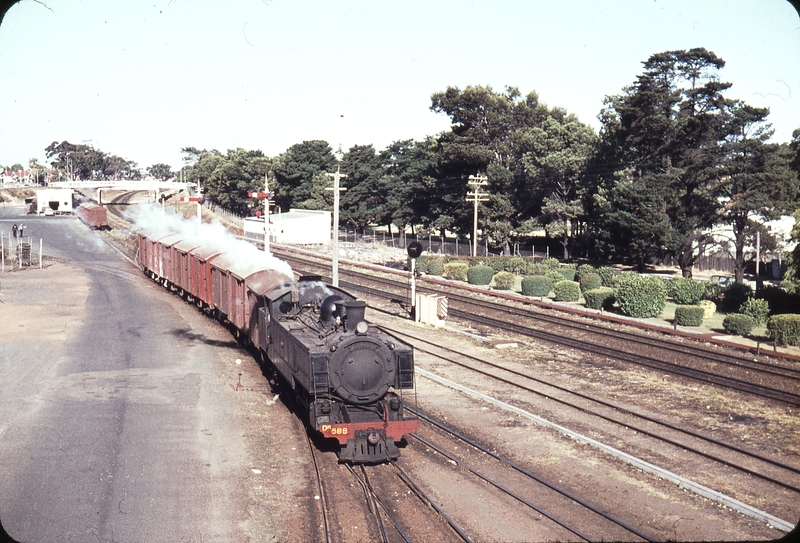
x: 687, y: 291
x: 582, y: 270
x: 568, y: 274
x: 421, y: 264
x: 737, y: 324
x: 602, y: 297
x: 709, y: 308
x: 640, y: 297
x: 554, y: 276
x: 734, y: 296
x: 536, y: 285
x: 566, y: 291
x: 785, y: 329
x: 480, y: 275
x: 758, y: 309
x: 436, y: 267
x: 608, y: 276
x: 689, y: 315
x: 534, y: 268
x: 590, y: 281
x: 457, y: 271
x: 504, y: 280
x: 551, y: 263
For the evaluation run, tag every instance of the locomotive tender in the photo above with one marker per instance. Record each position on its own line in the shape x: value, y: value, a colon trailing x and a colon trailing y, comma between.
x: 345, y: 375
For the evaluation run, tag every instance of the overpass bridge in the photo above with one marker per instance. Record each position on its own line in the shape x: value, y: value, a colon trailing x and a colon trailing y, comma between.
x: 99, y: 186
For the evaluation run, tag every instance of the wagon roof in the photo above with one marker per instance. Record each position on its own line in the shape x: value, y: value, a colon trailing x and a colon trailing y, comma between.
x: 170, y: 239
x: 89, y: 205
x: 186, y: 245
x: 266, y: 280
x: 242, y: 268
x: 205, y: 252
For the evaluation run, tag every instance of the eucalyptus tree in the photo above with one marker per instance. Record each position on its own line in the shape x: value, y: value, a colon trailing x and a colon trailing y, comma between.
x: 409, y: 185
x: 486, y: 130
x: 226, y: 179
x: 301, y: 176
x: 757, y: 181
x: 80, y: 161
x: 663, y: 136
x: 364, y: 201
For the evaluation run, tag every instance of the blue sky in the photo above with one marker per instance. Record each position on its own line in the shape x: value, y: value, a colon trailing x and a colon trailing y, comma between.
x: 142, y: 79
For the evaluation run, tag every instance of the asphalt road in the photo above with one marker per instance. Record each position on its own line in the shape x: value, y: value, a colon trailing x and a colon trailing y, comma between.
x: 114, y: 420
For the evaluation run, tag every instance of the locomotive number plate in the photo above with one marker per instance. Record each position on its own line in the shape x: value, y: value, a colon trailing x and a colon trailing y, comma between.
x: 334, y: 430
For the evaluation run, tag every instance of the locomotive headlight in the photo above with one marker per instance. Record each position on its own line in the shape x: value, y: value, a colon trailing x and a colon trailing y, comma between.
x: 362, y: 327
x: 373, y: 438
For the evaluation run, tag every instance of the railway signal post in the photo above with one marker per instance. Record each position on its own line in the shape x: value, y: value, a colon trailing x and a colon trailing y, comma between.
x: 265, y: 195
x: 336, y: 190
x: 197, y: 199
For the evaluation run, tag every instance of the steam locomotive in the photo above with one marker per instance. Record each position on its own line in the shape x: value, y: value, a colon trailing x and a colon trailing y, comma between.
x: 346, y: 376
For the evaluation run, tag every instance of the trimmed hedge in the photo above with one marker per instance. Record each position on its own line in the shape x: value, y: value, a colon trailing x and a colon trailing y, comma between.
x: 758, y: 309
x: 551, y: 263
x: 582, y: 270
x: 737, y: 324
x: 568, y: 274
x: 456, y: 271
x: 785, y: 329
x: 436, y: 267
x: 536, y: 285
x: 709, y: 308
x: 590, y: 281
x: 504, y: 280
x: 689, y: 315
x: 640, y: 297
x: 600, y: 298
x: 780, y: 301
x: 554, y: 276
x: 686, y: 291
x: 566, y: 291
x: 480, y: 275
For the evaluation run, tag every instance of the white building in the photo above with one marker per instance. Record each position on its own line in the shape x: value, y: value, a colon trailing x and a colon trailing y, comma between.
x: 58, y: 200
x: 297, y: 227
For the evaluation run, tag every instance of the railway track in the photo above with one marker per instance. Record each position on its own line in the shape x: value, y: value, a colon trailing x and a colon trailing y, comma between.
x: 692, y: 360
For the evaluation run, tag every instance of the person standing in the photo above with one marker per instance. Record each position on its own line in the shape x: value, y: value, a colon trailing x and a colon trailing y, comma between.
x: 14, y: 230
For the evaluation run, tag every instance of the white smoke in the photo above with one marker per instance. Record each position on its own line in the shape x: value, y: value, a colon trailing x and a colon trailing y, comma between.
x: 151, y: 219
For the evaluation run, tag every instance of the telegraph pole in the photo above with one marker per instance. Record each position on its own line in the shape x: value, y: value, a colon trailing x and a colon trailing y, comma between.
x: 336, y: 190
x: 267, y: 203
x: 197, y: 199
x: 476, y: 196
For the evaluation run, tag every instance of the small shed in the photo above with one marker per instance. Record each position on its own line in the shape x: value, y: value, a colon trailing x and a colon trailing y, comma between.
x: 59, y: 200
x: 297, y: 227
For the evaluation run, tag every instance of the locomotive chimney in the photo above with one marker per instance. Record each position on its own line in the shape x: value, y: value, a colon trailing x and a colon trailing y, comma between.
x: 355, y: 311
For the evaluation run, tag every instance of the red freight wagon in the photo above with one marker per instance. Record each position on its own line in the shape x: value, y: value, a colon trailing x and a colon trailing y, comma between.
x: 200, y: 273
x: 95, y: 216
x: 257, y: 286
x: 163, y: 257
x: 180, y: 265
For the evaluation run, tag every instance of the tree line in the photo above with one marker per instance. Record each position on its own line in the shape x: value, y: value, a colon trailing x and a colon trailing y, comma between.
x: 674, y: 158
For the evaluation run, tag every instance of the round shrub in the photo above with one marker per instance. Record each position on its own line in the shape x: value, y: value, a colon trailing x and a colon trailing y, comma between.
x: 640, y: 297
x: 457, y: 271
x: 551, y: 263
x: 421, y: 264
x: 582, y: 270
x: 504, y: 280
x: 687, y: 291
x: 602, y: 297
x: 709, y: 308
x: 608, y: 276
x: 554, y: 276
x: 566, y: 291
x: 689, y: 315
x: 734, y: 296
x: 536, y: 285
x: 480, y: 275
x: 780, y: 300
x: 436, y: 267
x: 758, y: 309
x: 785, y: 329
x: 534, y: 268
x: 590, y: 281
x: 737, y: 324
